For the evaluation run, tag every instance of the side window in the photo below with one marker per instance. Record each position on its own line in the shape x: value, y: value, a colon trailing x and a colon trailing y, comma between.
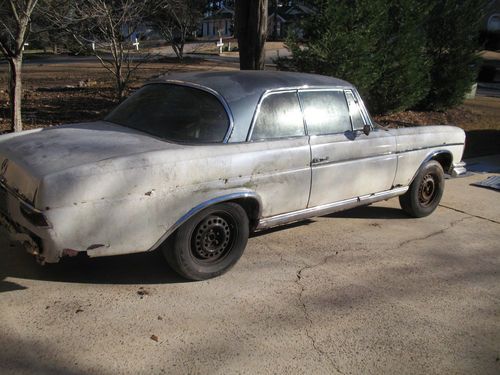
x: 279, y: 117
x: 354, y: 111
x: 325, y: 112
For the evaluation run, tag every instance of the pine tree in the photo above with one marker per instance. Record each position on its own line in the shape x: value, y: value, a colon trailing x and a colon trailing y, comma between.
x: 452, y: 50
x: 404, y: 71
x: 375, y: 44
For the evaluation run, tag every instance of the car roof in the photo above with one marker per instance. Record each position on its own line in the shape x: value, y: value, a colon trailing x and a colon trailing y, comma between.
x: 242, y: 90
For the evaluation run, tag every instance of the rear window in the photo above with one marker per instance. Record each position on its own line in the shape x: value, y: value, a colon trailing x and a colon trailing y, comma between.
x: 175, y: 113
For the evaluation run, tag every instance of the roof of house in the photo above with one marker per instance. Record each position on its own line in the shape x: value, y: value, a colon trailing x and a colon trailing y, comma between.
x: 222, y: 13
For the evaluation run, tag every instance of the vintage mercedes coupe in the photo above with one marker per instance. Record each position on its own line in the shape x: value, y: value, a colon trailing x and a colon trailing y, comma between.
x: 192, y: 163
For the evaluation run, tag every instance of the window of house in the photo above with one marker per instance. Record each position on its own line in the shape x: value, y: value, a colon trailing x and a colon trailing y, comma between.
x: 325, y: 112
x: 279, y: 116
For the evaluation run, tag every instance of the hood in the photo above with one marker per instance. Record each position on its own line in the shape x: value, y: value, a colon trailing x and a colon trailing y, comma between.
x: 27, y: 157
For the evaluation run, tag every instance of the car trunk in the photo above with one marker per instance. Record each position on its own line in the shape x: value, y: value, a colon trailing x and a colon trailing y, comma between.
x: 25, y: 158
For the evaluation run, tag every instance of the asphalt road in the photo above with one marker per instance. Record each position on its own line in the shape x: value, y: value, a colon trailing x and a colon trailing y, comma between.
x: 368, y: 291
x: 191, y: 50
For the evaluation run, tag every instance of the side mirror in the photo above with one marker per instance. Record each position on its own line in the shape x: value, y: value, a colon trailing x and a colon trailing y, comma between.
x: 367, y: 129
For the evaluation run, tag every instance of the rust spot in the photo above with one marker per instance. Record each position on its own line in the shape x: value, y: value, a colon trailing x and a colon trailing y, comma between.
x: 143, y: 292
x: 95, y: 246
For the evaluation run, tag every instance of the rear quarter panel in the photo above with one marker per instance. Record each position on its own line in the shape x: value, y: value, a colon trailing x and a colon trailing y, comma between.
x: 126, y: 205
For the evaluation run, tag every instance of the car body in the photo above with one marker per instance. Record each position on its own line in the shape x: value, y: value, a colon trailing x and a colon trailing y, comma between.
x: 282, y: 146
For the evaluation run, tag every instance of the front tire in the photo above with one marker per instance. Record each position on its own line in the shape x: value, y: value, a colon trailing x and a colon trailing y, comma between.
x: 425, y: 192
x: 209, y: 243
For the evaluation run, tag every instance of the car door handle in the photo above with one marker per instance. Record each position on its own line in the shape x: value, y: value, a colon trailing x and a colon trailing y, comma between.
x: 320, y: 160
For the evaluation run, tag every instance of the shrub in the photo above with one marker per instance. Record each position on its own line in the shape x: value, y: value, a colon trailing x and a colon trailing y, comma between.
x: 452, y: 45
x: 400, y: 54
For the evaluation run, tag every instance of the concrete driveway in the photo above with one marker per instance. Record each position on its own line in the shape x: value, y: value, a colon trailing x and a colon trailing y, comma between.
x: 368, y: 291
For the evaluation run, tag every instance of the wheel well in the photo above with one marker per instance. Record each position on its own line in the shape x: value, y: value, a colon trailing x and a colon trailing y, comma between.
x: 252, y: 208
x: 443, y: 158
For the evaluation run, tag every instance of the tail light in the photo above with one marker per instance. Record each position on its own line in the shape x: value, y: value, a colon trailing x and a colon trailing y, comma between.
x: 34, y: 216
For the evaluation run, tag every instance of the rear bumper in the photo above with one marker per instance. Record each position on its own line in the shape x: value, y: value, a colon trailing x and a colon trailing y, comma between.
x: 22, y: 235
x: 458, y: 169
x: 37, y: 240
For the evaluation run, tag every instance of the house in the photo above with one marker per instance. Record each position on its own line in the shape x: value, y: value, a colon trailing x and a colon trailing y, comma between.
x: 286, y: 18
x: 491, y: 22
x: 283, y: 17
x: 218, y: 24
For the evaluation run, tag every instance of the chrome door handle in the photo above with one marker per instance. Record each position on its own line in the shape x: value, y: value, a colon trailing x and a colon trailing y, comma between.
x: 320, y: 160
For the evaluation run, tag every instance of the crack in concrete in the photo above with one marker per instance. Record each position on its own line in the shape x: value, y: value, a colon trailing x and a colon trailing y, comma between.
x: 467, y: 213
x: 306, y: 266
x: 314, y: 344
x: 441, y: 231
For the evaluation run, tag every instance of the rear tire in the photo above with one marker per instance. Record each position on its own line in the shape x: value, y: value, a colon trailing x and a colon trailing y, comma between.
x: 425, y: 192
x: 209, y: 243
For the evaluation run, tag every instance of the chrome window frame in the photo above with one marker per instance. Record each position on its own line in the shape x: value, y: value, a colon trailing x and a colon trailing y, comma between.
x: 362, y: 109
x: 342, y: 90
x: 266, y: 94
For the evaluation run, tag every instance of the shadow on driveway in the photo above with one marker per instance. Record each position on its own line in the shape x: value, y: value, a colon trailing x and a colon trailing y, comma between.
x: 140, y: 268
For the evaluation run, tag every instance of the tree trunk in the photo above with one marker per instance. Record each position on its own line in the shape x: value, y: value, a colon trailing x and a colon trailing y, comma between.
x: 120, y: 84
x: 15, y: 93
x: 251, y: 31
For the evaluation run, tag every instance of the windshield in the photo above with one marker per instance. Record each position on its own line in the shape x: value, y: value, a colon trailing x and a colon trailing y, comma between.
x: 173, y: 112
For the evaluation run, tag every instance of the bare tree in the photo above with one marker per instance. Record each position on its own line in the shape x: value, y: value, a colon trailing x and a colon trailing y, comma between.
x: 15, y: 24
x: 176, y: 20
x: 251, y: 31
x: 106, y: 27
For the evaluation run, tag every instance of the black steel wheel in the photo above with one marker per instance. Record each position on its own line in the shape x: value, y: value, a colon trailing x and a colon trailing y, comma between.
x: 210, y: 242
x: 213, y: 238
x: 425, y: 191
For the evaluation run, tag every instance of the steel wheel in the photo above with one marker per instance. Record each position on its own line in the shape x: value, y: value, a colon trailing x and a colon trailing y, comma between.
x: 427, y: 190
x: 209, y: 243
x: 213, y: 238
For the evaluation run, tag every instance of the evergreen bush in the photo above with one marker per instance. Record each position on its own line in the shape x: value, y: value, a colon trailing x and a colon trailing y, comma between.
x: 400, y: 54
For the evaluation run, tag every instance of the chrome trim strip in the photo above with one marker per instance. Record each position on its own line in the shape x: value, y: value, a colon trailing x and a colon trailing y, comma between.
x: 329, y: 208
x: 19, y: 197
x: 427, y: 147
x: 257, y: 111
x: 209, y: 90
x: 328, y: 162
x: 201, y: 206
x: 296, y: 89
x: 429, y: 158
x: 22, y: 201
x: 358, y: 101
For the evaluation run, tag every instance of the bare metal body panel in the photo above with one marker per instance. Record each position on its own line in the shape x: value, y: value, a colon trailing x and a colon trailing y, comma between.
x: 108, y: 190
